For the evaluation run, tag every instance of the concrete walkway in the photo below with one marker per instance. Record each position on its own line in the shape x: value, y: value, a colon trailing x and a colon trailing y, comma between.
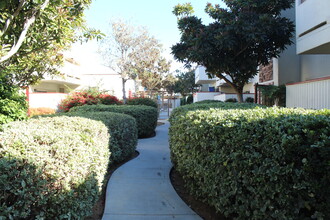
x: 141, y: 189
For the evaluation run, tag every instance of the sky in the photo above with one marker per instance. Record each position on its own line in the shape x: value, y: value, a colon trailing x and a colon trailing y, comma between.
x: 155, y: 16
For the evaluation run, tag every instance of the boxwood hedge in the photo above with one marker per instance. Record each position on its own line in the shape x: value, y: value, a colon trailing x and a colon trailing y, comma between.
x: 145, y: 116
x: 211, y: 105
x: 122, y: 130
x: 52, y: 168
x: 142, y: 101
x: 255, y: 163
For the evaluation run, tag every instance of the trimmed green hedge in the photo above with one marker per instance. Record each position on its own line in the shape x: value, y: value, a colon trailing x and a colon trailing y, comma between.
x: 122, y: 129
x: 145, y: 116
x: 142, y: 101
x: 255, y: 163
x: 52, y: 168
x: 211, y: 105
x: 207, y: 102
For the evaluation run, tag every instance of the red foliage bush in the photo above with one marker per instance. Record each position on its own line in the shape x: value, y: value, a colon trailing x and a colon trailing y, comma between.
x: 80, y: 98
x: 107, y: 99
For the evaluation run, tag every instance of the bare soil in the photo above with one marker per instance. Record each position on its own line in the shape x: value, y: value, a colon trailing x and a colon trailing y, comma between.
x: 202, y: 209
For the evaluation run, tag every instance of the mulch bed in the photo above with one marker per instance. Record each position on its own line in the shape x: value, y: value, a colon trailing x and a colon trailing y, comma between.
x: 202, y: 209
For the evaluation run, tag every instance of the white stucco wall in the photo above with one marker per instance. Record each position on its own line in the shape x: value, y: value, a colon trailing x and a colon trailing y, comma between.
x: 313, y: 26
x: 200, y: 96
x: 311, y: 95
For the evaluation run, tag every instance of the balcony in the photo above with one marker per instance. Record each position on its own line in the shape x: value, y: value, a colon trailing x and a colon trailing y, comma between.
x: 202, y: 78
x: 313, y: 26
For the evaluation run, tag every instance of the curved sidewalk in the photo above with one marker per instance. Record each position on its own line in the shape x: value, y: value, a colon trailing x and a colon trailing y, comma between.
x: 141, y: 189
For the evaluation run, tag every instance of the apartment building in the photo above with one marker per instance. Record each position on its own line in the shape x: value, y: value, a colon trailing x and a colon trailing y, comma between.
x: 304, y: 67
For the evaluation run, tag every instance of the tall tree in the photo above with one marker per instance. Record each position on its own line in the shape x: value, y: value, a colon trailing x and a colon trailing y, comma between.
x: 149, y: 63
x: 152, y: 76
x: 244, y: 35
x: 118, y: 50
x: 134, y: 54
x: 168, y: 83
x: 33, y: 34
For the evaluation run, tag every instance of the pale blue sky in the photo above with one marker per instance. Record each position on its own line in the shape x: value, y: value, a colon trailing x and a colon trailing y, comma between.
x: 156, y: 16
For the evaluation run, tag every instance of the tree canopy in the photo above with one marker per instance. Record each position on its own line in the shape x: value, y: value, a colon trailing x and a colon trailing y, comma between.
x: 185, y: 83
x: 132, y: 53
x: 34, y: 33
x: 243, y: 35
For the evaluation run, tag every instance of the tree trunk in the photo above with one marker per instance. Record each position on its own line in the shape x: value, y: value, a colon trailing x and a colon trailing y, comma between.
x: 240, y: 97
x: 238, y: 89
x: 239, y: 93
x: 124, y: 90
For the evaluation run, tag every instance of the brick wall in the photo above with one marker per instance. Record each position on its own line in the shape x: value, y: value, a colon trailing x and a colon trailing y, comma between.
x: 266, y: 72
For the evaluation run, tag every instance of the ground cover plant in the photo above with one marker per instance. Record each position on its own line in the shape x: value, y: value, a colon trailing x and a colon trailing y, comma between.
x: 261, y: 163
x: 145, y: 116
x: 52, y: 167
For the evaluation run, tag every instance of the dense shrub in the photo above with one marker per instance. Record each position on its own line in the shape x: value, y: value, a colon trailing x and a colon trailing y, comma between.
x: 145, y: 116
x: 208, y: 101
x: 210, y: 105
x: 122, y: 129
x: 231, y: 100
x: 142, y: 101
x: 11, y: 110
x: 87, y: 97
x: 13, y: 105
x: 183, y: 101
x: 273, y: 95
x: 256, y: 163
x: 249, y: 100
x: 41, y: 111
x: 107, y: 99
x: 52, y: 168
x: 190, y: 99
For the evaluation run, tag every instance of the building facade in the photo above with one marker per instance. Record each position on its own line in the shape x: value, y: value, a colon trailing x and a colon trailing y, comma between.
x: 304, y: 67
x: 218, y: 89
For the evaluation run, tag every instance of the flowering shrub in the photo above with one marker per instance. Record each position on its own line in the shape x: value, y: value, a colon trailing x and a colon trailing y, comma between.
x: 86, y: 97
x: 107, y: 99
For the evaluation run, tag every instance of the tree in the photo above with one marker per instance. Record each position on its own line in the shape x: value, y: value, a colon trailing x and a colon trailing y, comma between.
x: 168, y: 83
x: 152, y: 76
x: 33, y: 34
x: 246, y: 34
x: 118, y: 50
x: 185, y: 83
x: 134, y: 54
x: 13, y: 105
x: 149, y: 63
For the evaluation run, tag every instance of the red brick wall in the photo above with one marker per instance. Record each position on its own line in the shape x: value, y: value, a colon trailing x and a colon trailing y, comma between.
x: 266, y: 72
